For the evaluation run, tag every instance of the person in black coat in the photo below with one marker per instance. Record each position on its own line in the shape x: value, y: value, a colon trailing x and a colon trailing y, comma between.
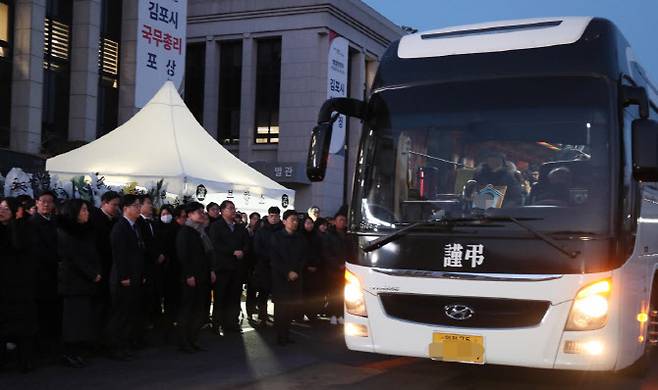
x: 196, y: 257
x: 126, y: 278
x: 313, y: 285
x: 79, y: 282
x: 231, y: 242
x: 153, y: 290
x: 252, y: 287
x: 102, y: 219
x: 43, y: 249
x: 336, y: 249
x: 18, y: 309
x: 169, y: 227
x: 263, y: 271
x: 289, y: 252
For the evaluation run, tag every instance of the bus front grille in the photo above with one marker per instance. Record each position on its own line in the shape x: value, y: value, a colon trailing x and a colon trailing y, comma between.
x: 464, y: 312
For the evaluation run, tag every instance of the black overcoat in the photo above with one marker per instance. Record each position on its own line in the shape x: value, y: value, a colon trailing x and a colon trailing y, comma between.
x: 18, y: 311
x: 193, y: 259
x: 80, y: 262
x: 226, y: 242
x: 43, y: 249
x: 289, y: 253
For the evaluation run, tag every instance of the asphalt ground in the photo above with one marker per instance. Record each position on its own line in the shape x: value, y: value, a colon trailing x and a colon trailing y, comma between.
x: 317, y: 360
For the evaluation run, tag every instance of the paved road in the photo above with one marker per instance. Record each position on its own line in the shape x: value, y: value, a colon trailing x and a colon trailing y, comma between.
x: 318, y: 360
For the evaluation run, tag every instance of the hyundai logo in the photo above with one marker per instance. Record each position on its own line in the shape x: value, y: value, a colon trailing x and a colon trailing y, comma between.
x: 458, y: 312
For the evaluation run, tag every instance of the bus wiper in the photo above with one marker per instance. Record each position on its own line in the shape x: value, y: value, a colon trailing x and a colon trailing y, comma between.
x: 381, y: 241
x: 547, y: 239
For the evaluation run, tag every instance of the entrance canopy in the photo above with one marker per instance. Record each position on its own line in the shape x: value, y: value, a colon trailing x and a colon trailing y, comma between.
x: 164, y: 141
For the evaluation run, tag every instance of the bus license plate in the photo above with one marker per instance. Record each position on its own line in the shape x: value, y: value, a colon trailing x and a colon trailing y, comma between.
x: 457, y: 348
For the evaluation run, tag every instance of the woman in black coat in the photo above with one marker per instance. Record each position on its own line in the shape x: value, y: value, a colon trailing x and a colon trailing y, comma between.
x: 313, y: 299
x: 18, y: 310
x: 79, y: 279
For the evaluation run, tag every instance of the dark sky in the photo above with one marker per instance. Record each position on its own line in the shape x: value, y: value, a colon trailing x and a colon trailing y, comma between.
x: 637, y: 19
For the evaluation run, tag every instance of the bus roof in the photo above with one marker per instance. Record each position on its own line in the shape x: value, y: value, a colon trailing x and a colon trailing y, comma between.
x: 509, y: 35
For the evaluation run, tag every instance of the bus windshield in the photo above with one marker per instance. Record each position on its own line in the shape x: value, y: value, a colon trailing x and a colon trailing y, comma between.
x: 535, y: 148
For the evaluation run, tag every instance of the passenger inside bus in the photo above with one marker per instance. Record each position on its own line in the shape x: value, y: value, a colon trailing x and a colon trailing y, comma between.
x: 495, y: 170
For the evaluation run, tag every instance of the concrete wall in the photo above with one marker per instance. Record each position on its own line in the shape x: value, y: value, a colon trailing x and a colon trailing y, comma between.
x: 304, y: 27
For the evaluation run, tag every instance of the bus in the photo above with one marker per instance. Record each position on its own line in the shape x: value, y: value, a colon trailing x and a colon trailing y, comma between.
x: 505, y: 202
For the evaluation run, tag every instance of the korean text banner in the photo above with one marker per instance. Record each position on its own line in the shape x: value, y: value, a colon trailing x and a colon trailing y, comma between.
x: 337, y: 86
x: 161, y: 33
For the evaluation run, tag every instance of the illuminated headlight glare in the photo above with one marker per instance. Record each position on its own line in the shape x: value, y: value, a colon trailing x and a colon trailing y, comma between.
x: 592, y: 348
x: 355, y: 303
x: 357, y: 330
x: 590, y: 308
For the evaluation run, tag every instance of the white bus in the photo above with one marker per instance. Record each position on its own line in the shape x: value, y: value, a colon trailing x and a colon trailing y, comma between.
x: 505, y: 205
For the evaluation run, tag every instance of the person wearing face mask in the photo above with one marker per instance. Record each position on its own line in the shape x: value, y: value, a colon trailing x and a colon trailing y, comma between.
x: 80, y: 277
x: 18, y: 309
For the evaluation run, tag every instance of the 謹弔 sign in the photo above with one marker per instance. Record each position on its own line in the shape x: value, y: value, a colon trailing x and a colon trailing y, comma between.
x: 161, y: 33
x: 337, y: 86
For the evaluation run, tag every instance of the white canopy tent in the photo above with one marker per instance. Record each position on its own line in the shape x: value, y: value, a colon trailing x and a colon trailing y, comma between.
x: 164, y: 141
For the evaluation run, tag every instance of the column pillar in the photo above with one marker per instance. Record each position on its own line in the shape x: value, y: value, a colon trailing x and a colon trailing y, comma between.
x: 248, y: 102
x: 84, y: 70
x: 27, y: 84
x: 128, y: 61
x: 357, y: 91
x: 211, y: 89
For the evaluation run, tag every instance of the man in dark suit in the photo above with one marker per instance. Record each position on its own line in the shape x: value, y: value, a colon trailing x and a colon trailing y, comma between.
x: 231, y: 242
x: 195, y: 254
x: 102, y: 220
x: 127, y: 277
x: 289, y: 252
x: 43, y: 250
x: 154, y: 263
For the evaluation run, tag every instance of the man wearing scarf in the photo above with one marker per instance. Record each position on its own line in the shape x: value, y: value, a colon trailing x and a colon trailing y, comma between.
x: 195, y: 254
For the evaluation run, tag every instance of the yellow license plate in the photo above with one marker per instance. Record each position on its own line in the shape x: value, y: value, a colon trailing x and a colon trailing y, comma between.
x: 457, y: 348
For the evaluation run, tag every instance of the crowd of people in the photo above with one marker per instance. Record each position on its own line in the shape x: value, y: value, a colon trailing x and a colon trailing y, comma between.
x: 78, y: 281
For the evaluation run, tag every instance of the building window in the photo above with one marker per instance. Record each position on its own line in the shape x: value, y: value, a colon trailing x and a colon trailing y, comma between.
x: 56, y: 77
x: 195, y: 65
x: 268, y: 83
x: 230, y: 92
x: 107, y: 111
x: 6, y: 19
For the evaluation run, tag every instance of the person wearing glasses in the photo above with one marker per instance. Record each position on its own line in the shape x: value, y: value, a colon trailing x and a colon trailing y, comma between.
x: 231, y: 242
x: 126, y: 279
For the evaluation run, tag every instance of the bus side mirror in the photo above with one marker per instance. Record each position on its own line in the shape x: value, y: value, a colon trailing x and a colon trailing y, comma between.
x: 318, y: 151
x: 645, y: 150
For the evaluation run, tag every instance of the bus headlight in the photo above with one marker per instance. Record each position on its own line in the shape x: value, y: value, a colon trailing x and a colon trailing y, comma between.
x: 590, y: 308
x: 355, y: 302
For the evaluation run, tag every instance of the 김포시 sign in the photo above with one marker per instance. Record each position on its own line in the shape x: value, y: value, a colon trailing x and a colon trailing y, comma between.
x: 337, y: 86
x: 161, y: 33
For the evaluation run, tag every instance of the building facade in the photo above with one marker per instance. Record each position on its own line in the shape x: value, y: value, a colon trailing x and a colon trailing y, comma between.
x: 256, y: 76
